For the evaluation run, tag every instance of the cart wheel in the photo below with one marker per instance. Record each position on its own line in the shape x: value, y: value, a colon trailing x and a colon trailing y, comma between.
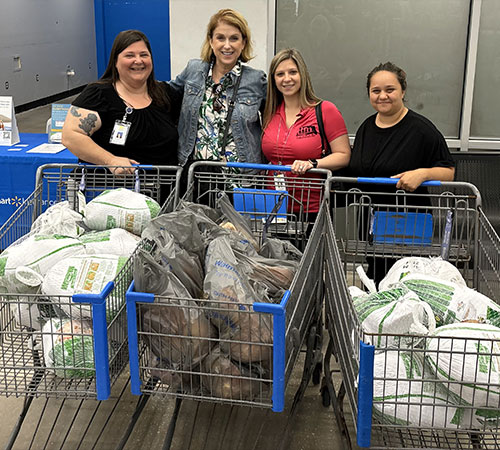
x: 316, y: 376
x: 325, y: 396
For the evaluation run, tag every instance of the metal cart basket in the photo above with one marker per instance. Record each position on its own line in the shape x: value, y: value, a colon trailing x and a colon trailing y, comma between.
x: 417, y: 389
x: 278, y: 330
x: 90, y: 326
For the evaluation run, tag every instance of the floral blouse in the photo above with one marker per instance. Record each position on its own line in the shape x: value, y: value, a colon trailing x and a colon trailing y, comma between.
x: 212, y: 120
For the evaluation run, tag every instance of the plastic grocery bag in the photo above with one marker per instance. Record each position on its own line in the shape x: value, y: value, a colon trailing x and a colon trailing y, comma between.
x: 177, y: 333
x: 120, y: 208
x: 234, y: 220
x: 414, y: 265
x: 280, y: 249
x: 186, y: 266
x: 405, y: 393
x: 230, y: 295
x: 185, y: 381
x: 200, y: 210
x: 191, y: 230
x: 39, y: 253
x: 59, y: 219
x: 68, y: 348
x: 453, y: 302
x: 115, y: 241
x: 225, y: 379
x: 396, y: 311
x: 276, y: 275
x: 467, y: 357
x: 150, y: 276
x: 83, y: 274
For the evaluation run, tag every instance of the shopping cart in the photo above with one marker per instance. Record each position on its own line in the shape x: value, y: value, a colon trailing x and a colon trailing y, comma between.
x: 279, y: 331
x: 94, y: 325
x: 401, y: 392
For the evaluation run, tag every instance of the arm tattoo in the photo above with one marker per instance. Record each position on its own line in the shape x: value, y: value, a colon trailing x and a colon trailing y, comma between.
x: 87, y: 123
x: 74, y: 111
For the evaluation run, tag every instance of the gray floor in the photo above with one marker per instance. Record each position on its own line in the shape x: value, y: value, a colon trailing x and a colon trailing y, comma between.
x: 71, y: 424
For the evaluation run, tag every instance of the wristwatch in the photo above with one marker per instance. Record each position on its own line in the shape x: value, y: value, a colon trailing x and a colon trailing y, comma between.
x: 314, y: 163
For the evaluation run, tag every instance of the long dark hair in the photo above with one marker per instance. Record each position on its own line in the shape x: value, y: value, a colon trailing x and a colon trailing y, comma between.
x: 111, y: 75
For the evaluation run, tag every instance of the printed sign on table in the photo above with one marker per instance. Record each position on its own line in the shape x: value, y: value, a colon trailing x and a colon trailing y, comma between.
x: 58, y: 116
x: 9, y: 134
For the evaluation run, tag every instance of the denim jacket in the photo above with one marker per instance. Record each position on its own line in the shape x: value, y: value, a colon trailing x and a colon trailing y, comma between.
x: 245, y: 122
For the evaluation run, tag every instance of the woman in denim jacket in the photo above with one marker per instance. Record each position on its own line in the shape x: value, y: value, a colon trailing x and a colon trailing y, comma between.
x: 208, y: 85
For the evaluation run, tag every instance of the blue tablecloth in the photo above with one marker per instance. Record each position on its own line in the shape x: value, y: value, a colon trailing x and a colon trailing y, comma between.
x: 18, y: 170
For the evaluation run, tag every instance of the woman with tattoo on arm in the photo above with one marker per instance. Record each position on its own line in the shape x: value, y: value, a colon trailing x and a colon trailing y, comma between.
x: 127, y: 117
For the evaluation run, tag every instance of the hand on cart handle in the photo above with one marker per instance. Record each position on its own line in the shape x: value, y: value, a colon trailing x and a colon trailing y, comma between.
x: 300, y: 167
x: 121, y: 165
x: 410, y: 179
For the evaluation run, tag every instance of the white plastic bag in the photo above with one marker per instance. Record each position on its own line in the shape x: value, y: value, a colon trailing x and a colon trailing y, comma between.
x: 396, y: 311
x: 120, y: 208
x: 68, y: 348
x: 467, y: 357
x: 451, y: 302
x: 415, y: 265
x: 59, y: 219
x: 116, y: 241
x: 38, y: 253
x: 404, y: 393
x: 84, y: 274
x: 230, y: 294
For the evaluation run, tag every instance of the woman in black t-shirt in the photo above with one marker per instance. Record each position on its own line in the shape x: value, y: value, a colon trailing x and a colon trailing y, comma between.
x: 127, y: 117
x: 397, y: 142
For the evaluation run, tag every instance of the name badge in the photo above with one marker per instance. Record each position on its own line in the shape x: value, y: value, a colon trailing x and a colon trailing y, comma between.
x: 279, y: 182
x: 120, y: 132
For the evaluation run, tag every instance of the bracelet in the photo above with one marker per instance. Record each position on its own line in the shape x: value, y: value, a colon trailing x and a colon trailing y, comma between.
x: 314, y: 163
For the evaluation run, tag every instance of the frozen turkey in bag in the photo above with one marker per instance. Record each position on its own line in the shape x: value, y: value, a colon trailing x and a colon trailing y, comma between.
x: 83, y: 274
x: 397, y: 312
x: 466, y: 356
x: 452, y: 302
x: 38, y: 253
x: 121, y: 208
x: 115, y: 241
x: 404, y: 392
x: 416, y: 265
x: 59, y: 219
x: 68, y: 348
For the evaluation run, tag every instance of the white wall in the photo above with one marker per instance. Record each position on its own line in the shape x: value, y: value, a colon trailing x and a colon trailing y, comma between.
x: 188, y: 24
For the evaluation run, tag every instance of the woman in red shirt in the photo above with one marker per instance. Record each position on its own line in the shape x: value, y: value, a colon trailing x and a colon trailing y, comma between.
x: 291, y: 133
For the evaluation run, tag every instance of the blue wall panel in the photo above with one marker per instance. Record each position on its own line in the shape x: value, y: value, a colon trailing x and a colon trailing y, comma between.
x: 149, y: 16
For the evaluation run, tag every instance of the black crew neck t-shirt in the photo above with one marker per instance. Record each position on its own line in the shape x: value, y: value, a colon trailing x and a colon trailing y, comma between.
x: 152, y: 138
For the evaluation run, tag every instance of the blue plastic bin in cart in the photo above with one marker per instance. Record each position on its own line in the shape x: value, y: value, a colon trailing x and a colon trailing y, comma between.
x: 173, y: 360
x: 63, y: 346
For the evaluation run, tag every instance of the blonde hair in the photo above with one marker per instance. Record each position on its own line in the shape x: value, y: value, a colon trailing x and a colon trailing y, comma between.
x: 234, y: 18
x: 307, y: 97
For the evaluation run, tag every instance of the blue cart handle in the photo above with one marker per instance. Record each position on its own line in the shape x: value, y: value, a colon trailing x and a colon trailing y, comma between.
x: 137, y: 166
x: 394, y: 181
x: 259, y: 166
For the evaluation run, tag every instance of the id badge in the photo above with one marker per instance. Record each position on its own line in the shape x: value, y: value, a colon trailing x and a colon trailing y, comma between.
x: 279, y: 182
x: 120, y: 132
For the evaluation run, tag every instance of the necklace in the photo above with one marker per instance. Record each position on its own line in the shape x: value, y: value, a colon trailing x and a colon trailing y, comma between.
x: 278, y: 151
